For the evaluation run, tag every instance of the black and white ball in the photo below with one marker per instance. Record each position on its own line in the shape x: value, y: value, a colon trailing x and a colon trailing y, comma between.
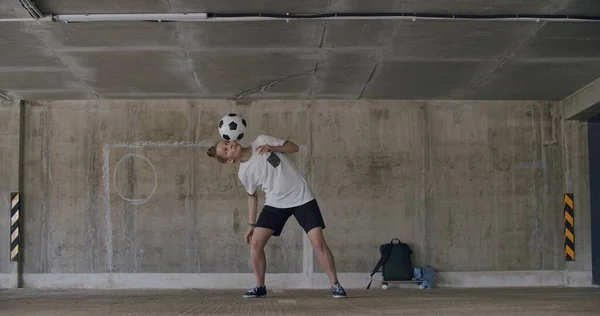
x: 232, y: 127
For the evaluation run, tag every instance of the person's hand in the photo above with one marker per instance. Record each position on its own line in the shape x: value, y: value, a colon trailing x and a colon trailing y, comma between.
x: 248, y: 236
x: 263, y: 149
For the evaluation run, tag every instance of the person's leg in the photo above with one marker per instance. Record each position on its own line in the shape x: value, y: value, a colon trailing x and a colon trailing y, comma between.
x: 310, y: 218
x: 257, y: 253
x: 270, y: 223
x: 323, y: 252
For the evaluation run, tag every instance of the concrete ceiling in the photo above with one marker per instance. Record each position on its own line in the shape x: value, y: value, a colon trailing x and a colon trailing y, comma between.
x: 319, y: 59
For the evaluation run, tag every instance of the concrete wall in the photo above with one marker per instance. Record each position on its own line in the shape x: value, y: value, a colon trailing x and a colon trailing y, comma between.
x: 82, y: 181
x: 126, y: 186
x: 470, y: 185
x: 9, y: 182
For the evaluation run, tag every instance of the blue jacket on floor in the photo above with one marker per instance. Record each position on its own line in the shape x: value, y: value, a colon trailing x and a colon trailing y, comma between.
x: 426, y: 275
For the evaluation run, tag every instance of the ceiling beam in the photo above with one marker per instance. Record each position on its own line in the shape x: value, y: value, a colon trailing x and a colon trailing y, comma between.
x: 582, y: 104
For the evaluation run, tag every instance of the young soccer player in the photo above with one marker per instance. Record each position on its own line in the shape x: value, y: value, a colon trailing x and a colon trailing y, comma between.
x: 264, y: 165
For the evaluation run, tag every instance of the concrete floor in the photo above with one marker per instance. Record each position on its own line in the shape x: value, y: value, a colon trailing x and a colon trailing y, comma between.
x: 488, y: 302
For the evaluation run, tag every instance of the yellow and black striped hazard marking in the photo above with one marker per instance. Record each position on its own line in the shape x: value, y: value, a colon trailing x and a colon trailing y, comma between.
x: 569, y: 228
x: 14, y: 226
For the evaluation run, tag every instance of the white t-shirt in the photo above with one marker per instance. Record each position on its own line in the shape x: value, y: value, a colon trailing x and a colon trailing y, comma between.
x: 283, y: 184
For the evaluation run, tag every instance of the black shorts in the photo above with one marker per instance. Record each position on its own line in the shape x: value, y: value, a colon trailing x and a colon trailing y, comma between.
x: 308, y: 216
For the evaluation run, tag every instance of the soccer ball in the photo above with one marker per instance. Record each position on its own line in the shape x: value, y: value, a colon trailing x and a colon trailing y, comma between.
x: 232, y: 127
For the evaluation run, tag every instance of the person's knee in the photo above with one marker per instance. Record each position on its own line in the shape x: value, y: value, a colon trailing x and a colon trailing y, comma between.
x: 320, y: 245
x: 257, y: 245
x: 318, y: 241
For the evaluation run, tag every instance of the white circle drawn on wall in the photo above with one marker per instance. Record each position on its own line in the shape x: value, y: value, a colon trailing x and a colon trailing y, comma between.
x: 133, y: 200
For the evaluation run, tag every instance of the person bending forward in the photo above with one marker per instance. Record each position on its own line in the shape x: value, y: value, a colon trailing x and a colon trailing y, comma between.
x: 264, y: 165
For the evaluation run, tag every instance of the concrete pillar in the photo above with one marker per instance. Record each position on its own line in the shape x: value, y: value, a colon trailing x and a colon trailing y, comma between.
x: 576, y: 110
x: 577, y: 182
x: 9, y: 182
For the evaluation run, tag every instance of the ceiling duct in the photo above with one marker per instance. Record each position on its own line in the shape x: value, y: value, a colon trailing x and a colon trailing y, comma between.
x: 141, y: 17
x: 215, y: 17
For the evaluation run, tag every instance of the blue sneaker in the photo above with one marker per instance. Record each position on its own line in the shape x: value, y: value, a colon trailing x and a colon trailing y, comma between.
x: 338, y: 291
x: 257, y: 291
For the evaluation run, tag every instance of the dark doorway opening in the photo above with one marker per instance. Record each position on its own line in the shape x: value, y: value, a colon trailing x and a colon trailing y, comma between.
x: 594, y: 163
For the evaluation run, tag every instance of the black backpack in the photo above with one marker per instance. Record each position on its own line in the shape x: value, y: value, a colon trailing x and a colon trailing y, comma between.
x: 396, y: 262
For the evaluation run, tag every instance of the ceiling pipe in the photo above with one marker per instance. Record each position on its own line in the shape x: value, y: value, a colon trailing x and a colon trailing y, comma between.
x: 212, y: 17
x: 43, y: 19
x: 406, y: 17
x: 208, y: 17
x: 111, y: 17
x: 18, y: 20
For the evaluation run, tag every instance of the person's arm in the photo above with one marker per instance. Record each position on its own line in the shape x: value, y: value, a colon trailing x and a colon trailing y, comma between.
x: 250, y: 186
x: 288, y: 147
x: 252, y: 207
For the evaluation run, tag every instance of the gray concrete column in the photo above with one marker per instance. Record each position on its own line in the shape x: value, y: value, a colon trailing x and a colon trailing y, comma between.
x: 577, y: 182
x: 9, y: 182
x: 576, y: 110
